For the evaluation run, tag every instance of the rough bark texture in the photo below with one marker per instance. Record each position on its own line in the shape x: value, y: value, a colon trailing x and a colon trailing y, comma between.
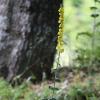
x: 28, y: 30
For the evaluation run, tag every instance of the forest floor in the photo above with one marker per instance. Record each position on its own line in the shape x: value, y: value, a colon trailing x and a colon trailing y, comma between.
x: 71, y: 78
x: 74, y: 83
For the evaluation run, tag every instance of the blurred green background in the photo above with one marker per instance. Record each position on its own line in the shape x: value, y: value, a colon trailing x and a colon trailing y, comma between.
x: 77, y: 20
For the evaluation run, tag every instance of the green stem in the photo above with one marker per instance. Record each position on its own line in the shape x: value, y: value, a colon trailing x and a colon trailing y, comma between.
x: 56, y: 71
x: 92, y: 44
x: 93, y: 38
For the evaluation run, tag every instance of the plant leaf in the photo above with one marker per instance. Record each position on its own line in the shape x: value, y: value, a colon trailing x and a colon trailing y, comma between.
x: 83, y: 33
x: 94, y: 15
x: 53, y: 88
x: 97, y: 1
x: 93, y: 8
x: 98, y: 24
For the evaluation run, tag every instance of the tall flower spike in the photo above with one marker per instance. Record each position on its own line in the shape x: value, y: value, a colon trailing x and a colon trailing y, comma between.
x: 60, y: 43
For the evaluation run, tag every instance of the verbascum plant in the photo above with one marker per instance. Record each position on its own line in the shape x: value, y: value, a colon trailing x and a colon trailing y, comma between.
x: 60, y: 43
x: 59, y: 49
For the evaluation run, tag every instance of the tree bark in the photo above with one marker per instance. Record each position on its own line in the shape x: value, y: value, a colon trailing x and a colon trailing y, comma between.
x: 28, y: 34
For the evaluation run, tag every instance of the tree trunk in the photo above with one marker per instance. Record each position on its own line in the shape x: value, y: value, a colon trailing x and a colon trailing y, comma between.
x: 28, y: 31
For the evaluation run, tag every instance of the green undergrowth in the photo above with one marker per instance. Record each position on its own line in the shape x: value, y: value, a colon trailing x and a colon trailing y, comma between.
x: 86, y: 90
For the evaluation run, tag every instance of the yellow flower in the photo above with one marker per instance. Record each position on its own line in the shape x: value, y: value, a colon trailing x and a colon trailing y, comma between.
x: 60, y: 43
